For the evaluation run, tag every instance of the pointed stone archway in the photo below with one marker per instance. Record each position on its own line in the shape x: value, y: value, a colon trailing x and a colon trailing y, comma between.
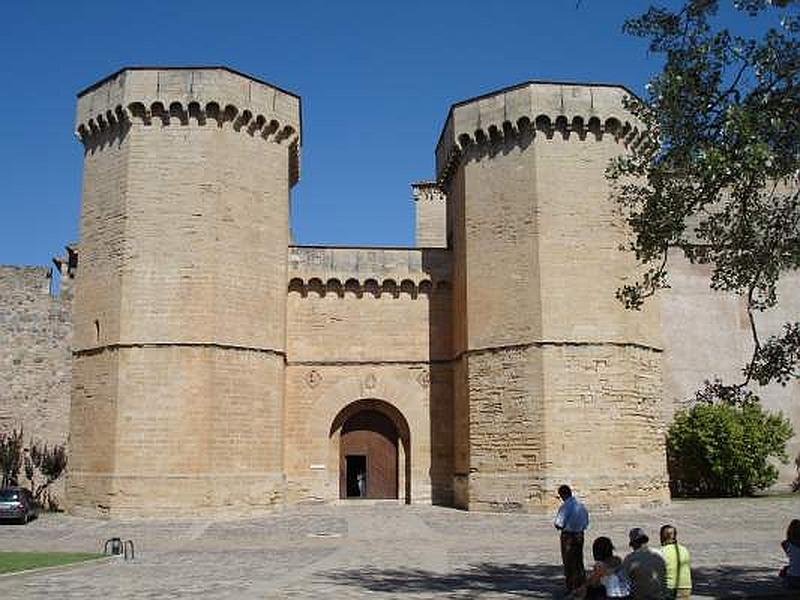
x: 374, y: 451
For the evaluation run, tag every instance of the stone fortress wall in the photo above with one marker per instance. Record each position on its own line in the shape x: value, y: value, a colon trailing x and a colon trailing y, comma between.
x: 707, y: 335
x: 180, y: 309
x: 556, y: 381
x: 216, y: 366
x: 35, y: 350
x: 372, y: 324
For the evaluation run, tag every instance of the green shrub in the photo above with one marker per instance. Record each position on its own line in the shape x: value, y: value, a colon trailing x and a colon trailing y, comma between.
x: 10, y: 457
x: 720, y: 449
x: 42, y: 464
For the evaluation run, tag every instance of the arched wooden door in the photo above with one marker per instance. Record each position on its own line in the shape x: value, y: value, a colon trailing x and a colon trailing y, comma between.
x: 368, y: 456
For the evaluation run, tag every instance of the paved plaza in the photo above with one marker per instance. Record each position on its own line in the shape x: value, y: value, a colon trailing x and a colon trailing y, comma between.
x: 357, y: 550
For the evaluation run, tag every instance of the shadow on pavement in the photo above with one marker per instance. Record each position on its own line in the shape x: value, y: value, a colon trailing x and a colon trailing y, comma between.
x: 738, y: 582
x: 517, y: 580
x: 512, y: 579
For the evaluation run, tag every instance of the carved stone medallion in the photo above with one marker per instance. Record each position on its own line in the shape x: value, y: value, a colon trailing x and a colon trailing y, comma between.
x: 313, y: 378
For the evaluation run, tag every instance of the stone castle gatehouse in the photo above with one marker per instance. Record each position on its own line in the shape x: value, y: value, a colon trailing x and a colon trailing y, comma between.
x: 218, y: 367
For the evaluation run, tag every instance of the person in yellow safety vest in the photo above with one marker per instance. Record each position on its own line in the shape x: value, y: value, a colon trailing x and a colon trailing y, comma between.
x: 679, y: 566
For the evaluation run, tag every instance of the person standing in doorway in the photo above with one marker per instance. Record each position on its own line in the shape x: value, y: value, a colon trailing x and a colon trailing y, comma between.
x: 361, y: 481
x: 571, y: 521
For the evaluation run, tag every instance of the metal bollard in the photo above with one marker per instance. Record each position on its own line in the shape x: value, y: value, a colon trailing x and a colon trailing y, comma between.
x: 119, y: 547
x: 116, y: 544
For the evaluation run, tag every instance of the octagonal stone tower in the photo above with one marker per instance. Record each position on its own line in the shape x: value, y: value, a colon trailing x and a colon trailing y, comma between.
x: 555, y: 381
x: 179, y: 340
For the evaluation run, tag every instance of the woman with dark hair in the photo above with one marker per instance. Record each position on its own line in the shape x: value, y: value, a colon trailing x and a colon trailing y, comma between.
x: 791, y: 545
x: 607, y: 579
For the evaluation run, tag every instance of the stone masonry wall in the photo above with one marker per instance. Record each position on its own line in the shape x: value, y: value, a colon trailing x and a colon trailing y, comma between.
x: 181, y: 296
x: 550, y: 355
x: 35, y: 357
x: 707, y: 335
x: 430, y: 205
x: 604, y: 425
x: 35, y: 335
x: 212, y: 369
x: 368, y: 325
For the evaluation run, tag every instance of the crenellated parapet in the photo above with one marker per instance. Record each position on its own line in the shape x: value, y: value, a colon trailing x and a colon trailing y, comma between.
x: 368, y: 272
x: 369, y: 287
x: 427, y: 191
x: 191, y: 97
x: 583, y: 111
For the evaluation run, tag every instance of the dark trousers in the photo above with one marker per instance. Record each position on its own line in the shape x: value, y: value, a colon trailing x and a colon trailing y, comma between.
x: 572, y: 557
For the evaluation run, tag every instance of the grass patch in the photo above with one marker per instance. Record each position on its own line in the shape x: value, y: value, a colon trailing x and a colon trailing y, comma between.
x: 22, y: 561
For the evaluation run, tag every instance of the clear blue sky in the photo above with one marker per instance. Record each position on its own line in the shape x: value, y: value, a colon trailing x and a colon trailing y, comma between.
x: 376, y: 79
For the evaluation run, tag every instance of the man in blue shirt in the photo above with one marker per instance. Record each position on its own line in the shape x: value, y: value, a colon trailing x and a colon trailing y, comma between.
x: 572, y: 520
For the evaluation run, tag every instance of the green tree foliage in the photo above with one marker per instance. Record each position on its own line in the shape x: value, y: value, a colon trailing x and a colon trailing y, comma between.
x: 716, y: 175
x: 718, y: 449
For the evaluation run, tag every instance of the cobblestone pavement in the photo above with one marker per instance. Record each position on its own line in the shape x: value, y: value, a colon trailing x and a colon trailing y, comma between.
x: 385, y: 551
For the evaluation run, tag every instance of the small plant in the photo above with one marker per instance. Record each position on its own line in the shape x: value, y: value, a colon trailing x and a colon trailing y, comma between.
x: 10, y: 457
x: 724, y: 449
x: 43, y: 466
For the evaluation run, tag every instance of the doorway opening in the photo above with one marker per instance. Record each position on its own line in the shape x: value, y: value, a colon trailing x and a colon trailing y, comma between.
x: 372, y: 443
x: 368, y: 456
x: 356, y: 466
